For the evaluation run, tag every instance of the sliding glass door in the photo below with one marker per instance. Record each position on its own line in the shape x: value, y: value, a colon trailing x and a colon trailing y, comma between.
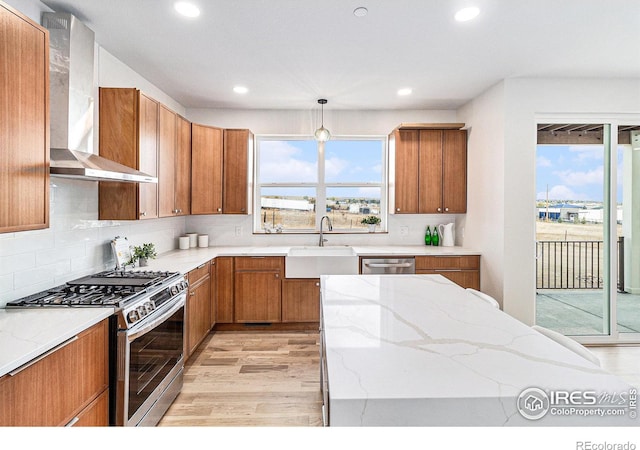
x: 588, y: 230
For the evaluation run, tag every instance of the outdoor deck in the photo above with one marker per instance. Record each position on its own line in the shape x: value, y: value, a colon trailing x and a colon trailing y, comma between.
x: 579, y: 312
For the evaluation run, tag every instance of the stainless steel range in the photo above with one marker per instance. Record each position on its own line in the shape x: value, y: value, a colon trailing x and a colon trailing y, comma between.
x: 147, y: 336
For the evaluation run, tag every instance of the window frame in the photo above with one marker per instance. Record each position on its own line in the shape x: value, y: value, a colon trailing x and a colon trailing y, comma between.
x: 321, y: 185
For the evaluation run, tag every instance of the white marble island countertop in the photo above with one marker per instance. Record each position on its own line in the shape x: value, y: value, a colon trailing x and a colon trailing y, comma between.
x: 419, y: 350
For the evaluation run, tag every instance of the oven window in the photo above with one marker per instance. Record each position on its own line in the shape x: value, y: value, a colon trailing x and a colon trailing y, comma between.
x: 152, y: 356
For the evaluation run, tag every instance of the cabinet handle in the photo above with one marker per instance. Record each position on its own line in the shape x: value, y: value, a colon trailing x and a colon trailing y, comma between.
x: 242, y: 209
x: 73, y: 421
x: 44, y: 355
x: 143, y: 213
x: 219, y: 209
x: 439, y: 209
x: 201, y: 266
x: 446, y: 209
x: 317, y: 284
x: 258, y: 257
x: 191, y: 294
x: 397, y: 209
x: 277, y: 275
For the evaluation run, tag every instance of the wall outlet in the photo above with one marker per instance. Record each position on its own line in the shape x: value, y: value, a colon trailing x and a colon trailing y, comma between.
x: 238, y: 231
x: 404, y: 230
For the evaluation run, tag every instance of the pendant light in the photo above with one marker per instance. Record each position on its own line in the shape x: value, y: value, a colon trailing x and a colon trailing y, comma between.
x: 322, y: 134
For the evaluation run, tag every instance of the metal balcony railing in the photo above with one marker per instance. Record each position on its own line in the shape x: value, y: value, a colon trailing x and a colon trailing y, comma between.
x: 574, y: 264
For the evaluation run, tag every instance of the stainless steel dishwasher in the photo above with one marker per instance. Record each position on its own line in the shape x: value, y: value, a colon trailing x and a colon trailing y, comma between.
x: 386, y: 265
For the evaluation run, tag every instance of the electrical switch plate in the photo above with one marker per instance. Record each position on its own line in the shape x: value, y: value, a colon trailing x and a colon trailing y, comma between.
x: 238, y: 231
x: 404, y: 230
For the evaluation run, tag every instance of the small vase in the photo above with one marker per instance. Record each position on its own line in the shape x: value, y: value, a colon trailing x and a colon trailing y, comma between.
x: 143, y: 262
x: 372, y: 227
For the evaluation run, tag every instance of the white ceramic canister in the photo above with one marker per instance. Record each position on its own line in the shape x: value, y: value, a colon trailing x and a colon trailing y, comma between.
x: 183, y: 242
x: 193, y: 239
x: 203, y: 240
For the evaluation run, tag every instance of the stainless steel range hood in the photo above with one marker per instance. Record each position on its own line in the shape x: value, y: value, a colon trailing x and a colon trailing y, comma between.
x: 71, y: 45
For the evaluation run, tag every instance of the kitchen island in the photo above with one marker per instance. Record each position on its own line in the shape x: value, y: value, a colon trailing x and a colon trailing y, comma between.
x: 418, y: 350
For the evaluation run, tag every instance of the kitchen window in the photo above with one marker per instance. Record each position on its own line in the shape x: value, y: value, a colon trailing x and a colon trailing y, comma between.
x: 299, y: 180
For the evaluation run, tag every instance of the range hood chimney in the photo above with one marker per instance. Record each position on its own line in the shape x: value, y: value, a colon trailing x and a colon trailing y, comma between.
x: 71, y: 72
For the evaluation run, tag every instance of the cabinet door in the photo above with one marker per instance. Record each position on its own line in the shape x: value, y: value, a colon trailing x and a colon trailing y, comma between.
x: 198, y: 313
x: 301, y: 300
x: 24, y: 123
x: 212, y: 298
x: 167, y: 152
x: 257, y: 296
x: 407, y: 143
x: 183, y: 168
x: 57, y: 388
x: 235, y: 177
x: 206, y: 172
x: 455, y: 171
x: 148, y: 154
x: 430, y: 186
x: 224, y: 289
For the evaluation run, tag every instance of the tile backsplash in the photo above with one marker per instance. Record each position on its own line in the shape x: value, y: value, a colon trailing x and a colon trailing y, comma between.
x: 76, y: 244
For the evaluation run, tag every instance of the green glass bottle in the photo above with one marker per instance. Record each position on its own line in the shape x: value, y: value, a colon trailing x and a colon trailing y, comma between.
x: 435, y: 239
x: 427, y: 236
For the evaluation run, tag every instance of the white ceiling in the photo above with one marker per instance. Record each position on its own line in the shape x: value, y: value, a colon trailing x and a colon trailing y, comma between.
x: 289, y: 53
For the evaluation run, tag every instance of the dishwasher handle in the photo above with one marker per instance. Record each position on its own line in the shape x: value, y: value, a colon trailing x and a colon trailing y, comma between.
x: 382, y: 265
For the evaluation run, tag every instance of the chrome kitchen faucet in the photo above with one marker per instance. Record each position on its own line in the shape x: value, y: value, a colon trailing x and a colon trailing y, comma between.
x: 322, y: 240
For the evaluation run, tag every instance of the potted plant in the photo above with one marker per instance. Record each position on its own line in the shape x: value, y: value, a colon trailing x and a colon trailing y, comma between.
x: 371, y: 222
x: 143, y: 253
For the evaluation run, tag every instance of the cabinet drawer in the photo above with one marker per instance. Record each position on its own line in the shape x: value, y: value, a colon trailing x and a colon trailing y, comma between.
x: 199, y: 273
x: 467, y: 262
x: 96, y: 414
x: 259, y: 263
x: 463, y: 278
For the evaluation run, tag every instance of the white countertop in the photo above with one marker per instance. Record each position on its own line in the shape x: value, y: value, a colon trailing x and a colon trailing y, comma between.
x: 420, y: 350
x: 26, y: 334
x: 185, y: 260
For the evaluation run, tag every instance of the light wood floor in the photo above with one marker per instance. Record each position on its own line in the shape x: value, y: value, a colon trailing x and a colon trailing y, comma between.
x: 251, y: 379
x: 272, y: 379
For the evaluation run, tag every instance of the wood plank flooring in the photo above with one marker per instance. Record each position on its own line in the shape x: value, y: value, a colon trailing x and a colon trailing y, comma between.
x: 272, y: 379
x: 251, y: 379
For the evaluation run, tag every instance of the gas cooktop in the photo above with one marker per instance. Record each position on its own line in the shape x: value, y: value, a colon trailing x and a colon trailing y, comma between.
x: 110, y: 288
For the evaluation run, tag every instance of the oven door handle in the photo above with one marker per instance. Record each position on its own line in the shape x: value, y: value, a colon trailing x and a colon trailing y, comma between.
x: 134, y: 334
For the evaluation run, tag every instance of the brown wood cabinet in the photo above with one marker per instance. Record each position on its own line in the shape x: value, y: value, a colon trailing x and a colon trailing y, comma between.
x: 129, y: 135
x: 212, y: 300
x: 463, y: 270
x: 206, y: 171
x: 198, y: 308
x: 301, y: 300
x: 69, y: 385
x: 24, y: 123
x: 258, y: 289
x: 224, y: 289
x: 235, y: 178
x: 429, y: 171
x: 174, y: 164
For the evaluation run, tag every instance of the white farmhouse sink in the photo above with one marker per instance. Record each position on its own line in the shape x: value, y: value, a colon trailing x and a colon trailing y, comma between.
x: 311, y: 262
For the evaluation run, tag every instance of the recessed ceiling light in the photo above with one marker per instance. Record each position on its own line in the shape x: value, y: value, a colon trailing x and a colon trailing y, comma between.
x: 405, y: 91
x: 240, y: 89
x: 361, y: 11
x: 466, y: 14
x: 187, y: 9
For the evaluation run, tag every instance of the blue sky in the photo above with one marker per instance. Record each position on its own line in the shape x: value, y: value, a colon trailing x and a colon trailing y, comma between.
x: 572, y: 172
x: 296, y: 161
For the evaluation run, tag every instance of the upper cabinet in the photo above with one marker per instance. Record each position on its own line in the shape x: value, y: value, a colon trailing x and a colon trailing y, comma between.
x: 236, y: 170
x: 220, y: 170
x: 206, y: 169
x: 129, y: 135
x: 174, y: 164
x: 428, y: 173
x: 24, y: 123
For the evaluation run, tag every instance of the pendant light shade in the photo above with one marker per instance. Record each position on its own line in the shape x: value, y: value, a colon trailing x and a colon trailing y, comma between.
x: 322, y: 134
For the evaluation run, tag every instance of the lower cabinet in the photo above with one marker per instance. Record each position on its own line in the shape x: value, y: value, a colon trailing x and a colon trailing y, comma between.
x: 198, y: 308
x: 67, y: 386
x: 224, y: 289
x: 301, y: 300
x: 258, y: 289
x: 462, y: 270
